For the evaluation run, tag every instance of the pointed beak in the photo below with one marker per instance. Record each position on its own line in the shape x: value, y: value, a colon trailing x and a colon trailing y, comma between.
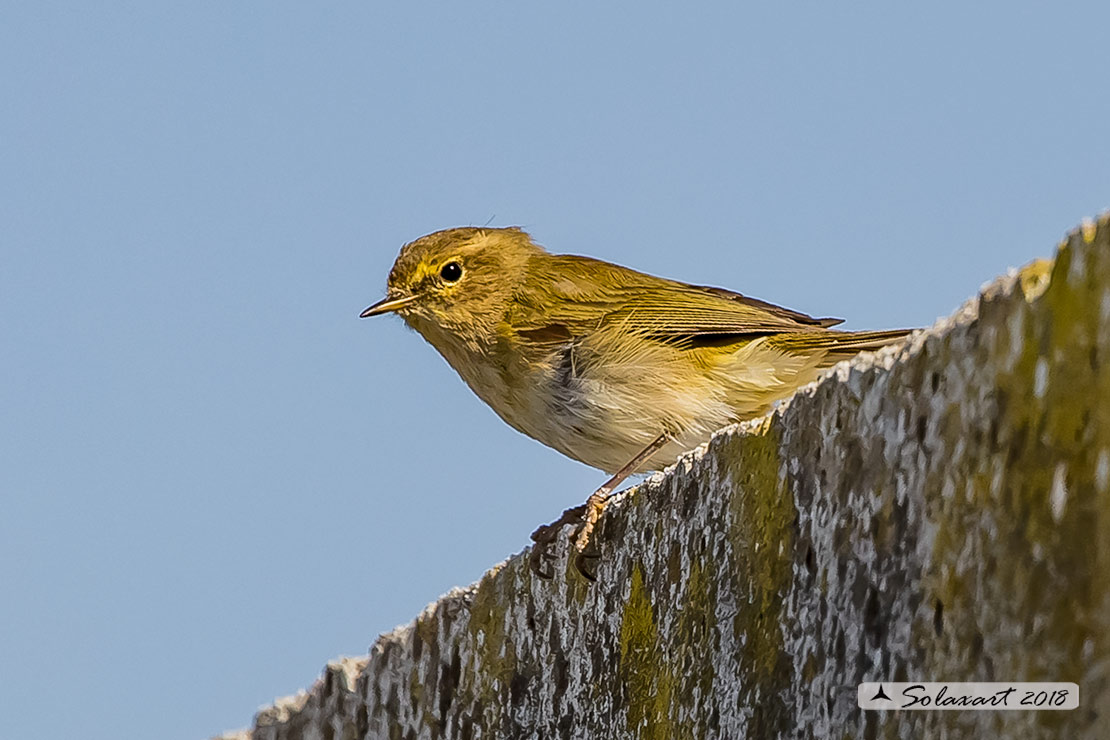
x: 387, y: 304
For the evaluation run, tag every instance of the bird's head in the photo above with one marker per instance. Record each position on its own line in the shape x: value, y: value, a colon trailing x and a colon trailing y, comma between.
x: 459, y: 281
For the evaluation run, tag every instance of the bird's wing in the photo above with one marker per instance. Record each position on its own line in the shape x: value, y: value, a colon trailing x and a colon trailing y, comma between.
x: 569, y: 296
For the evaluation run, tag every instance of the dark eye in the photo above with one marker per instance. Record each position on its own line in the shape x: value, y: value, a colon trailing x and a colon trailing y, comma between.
x: 451, y: 272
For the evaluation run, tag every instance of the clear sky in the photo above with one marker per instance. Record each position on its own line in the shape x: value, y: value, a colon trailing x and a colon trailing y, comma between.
x: 214, y: 477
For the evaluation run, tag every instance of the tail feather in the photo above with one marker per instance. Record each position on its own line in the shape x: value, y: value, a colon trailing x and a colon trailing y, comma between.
x: 838, y: 345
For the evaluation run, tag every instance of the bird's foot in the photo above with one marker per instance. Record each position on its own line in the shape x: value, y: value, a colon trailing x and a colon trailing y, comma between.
x: 541, y: 557
x: 585, y: 517
x: 586, y: 555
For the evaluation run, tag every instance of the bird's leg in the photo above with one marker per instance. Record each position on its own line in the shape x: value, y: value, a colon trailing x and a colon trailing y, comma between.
x: 595, y: 504
x: 585, y: 515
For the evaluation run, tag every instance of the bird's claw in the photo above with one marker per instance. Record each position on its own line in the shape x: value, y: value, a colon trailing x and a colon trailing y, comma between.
x: 540, y: 560
x: 541, y: 557
x: 585, y: 563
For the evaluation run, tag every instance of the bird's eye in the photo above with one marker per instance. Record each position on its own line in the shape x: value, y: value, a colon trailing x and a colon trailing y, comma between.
x: 451, y: 272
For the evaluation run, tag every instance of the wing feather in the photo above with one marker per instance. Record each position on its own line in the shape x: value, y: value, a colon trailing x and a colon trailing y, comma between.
x: 567, y: 295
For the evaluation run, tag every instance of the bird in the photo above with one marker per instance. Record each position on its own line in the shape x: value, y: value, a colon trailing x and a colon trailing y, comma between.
x: 618, y: 369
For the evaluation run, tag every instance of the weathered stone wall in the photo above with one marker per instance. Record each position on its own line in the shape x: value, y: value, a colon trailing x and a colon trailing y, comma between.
x: 936, y: 511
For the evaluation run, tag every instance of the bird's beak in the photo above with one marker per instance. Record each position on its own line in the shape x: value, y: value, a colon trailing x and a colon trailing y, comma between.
x: 387, y: 304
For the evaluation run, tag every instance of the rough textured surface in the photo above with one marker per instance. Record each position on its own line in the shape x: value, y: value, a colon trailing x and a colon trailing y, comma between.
x: 936, y: 511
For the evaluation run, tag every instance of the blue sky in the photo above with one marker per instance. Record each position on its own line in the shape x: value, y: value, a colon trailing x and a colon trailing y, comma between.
x: 215, y: 477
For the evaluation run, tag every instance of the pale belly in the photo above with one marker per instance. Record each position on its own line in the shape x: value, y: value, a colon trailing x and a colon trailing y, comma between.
x: 604, y: 397
x: 604, y: 413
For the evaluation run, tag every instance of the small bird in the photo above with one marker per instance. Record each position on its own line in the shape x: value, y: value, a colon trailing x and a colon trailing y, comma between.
x: 615, y: 368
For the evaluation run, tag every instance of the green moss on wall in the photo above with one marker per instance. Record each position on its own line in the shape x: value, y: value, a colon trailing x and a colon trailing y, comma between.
x: 647, y: 680
x: 762, y: 511
x: 494, y: 651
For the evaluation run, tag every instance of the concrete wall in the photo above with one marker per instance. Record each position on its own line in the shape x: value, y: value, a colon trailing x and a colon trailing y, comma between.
x: 936, y: 511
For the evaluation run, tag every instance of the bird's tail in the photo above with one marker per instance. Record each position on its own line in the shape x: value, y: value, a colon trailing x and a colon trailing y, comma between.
x: 837, y: 345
